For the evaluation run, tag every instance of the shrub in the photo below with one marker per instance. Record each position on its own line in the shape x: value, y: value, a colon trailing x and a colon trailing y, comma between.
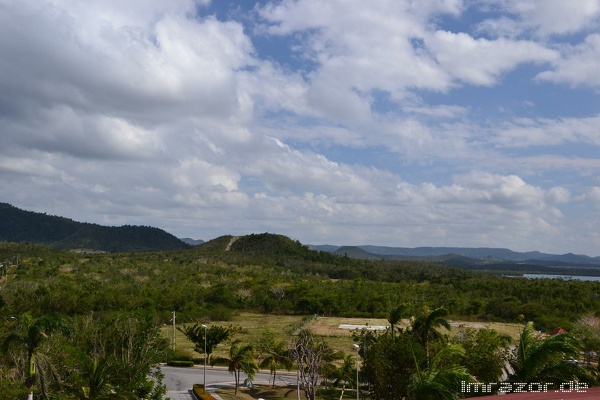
x: 180, y: 363
x: 182, y: 355
x: 198, y: 392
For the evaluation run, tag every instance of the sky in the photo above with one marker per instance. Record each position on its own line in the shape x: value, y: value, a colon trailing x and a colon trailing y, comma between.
x: 390, y: 122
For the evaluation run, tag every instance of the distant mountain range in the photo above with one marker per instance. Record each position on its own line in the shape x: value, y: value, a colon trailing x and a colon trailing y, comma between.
x: 461, y: 255
x: 191, y: 242
x: 17, y: 225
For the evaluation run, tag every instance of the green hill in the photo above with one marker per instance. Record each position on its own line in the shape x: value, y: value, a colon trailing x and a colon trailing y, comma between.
x: 265, y: 247
x: 18, y: 225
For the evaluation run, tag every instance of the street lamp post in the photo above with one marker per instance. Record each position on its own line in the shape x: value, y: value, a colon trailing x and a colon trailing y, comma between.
x: 205, y: 356
x: 174, y: 343
x: 357, y: 387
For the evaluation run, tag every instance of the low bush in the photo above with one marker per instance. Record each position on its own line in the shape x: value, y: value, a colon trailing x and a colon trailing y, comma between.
x: 182, y: 355
x: 180, y: 363
x: 199, y: 393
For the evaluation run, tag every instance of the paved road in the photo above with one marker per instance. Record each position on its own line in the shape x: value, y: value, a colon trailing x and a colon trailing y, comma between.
x: 179, y: 395
x: 180, y: 380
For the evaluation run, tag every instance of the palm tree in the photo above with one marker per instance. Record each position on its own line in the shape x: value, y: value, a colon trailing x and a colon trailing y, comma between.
x: 97, y: 375
x: 346, y: 372
x: 395, y: 317
x: 424, y: 327
x: 278, y: 357
x: 240, y: 360
x: 538, y: 359
x: 29, y: 335
x: 442, y: 379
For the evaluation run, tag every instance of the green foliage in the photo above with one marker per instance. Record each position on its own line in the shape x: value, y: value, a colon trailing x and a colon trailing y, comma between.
x: 587, y: 330
x: 199, y: 392
x: 119, y: 298
x: 28, y: 337
x: 425, y: 327
x: 275, y: 354
x: 538, y: 359
x: 200, y: 283
x: 442, y: 379
x: 180, y: 363
x: 389, y: 364
x: 485, y: 353
x: 26, y: 226
x: 206, y: 337
x: 395, y: 316
x: 11, y: 389
x: 240, y: 359
x: 104, y: 357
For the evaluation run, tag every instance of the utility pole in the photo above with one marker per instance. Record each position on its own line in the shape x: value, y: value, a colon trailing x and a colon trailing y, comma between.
x: 205, y: 358
x: 173, y: 330
x: 357, y: 347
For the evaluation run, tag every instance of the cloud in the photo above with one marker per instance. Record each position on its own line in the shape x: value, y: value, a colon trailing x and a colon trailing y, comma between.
x: 327, y: 121
x: 592, y: 195
x: 122, y: 105
x: 359, y: 49
x: 578, y: 66
x: 525, y: 132
x: 424, y: 214
x: 441, y: 111
x: 140, y: 66
x: 558, y: 195
x: 543, y: 17
x: 482, y: 61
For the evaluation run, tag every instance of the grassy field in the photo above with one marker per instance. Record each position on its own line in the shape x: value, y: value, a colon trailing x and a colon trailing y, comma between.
x: 254, y: 325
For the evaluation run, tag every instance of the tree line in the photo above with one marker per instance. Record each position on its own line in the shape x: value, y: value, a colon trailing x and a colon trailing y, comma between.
x: 417, y: 361
x: 130, y: 294
x: 198, y: 284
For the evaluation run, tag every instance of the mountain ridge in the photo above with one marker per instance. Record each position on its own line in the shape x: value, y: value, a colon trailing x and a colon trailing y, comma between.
x: 481, y: 254
x: 19, y: 225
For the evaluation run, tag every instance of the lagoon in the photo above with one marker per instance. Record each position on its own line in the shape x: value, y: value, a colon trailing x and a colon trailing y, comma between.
x: 565, y: 277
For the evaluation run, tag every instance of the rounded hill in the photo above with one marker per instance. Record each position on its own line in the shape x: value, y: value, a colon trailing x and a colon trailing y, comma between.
x: 264, y: 245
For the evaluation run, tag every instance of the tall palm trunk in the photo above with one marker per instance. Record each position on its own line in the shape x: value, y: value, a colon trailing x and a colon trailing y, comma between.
x: 30, y: 380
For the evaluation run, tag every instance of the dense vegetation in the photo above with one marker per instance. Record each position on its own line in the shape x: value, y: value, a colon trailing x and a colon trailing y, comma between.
x: 63, y: 233
x: 272, y: 274
x: 262, y: 273
x: 88, y: 357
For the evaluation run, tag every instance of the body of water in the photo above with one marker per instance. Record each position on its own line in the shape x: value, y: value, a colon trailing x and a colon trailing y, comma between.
x: 565, y: 277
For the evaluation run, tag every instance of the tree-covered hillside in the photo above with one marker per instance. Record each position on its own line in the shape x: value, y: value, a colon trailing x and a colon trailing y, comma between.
x: 272, y: 274
x: 122, y: 298
x: 17, y: 225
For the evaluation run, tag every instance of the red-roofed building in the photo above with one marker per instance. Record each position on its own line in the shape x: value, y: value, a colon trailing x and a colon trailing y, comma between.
x: 557, y: 331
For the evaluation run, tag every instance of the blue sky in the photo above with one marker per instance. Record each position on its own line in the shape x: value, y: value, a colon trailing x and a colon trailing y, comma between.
x: 398, y: 123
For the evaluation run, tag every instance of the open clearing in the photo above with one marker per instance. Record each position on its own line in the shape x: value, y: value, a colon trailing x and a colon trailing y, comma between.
x: 255, y: 325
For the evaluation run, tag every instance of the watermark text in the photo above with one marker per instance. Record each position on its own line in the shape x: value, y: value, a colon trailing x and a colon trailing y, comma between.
x: 519, y: 387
